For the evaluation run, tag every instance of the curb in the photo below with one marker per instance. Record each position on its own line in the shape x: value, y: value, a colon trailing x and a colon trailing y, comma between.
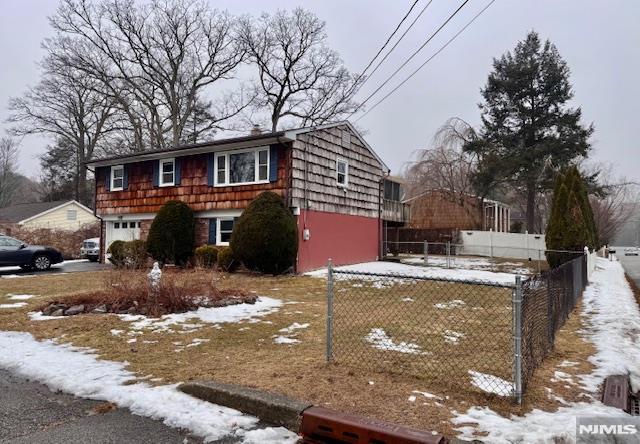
x: 271, y: 408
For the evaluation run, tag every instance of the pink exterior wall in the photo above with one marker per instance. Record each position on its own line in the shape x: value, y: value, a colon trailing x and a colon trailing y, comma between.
x: 343, y: 238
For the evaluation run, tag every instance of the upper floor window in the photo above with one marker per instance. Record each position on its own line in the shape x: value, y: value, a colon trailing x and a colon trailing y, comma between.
x: 242, y: 167
x: 72, y: 214
x: 117, y: 178
x: 167, y: 172
x: 342, y: 172
x: 392, y: 190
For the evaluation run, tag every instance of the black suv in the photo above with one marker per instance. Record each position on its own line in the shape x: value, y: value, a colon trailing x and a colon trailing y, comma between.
x: 14, y: 252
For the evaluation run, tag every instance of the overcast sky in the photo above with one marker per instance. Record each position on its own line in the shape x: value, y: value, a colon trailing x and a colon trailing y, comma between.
x: 600, y: 40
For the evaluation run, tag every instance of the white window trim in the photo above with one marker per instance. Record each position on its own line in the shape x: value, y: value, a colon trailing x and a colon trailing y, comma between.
x: 218, y: 225
x: 160, y: 174
x: 227, y: 171
x: 112, y: 178
x: 346, y: 172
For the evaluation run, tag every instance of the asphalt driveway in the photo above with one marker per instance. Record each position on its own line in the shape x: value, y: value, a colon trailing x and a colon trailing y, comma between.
x: 74, y: 266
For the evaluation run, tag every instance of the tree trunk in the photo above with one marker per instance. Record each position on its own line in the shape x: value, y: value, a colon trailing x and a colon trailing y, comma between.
x: 531, y: 207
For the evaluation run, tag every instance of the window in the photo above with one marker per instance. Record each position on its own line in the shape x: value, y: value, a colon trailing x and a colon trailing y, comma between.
x: 72, y: 214
x: 116, y: 225
x: 167, y: 172
x: 225, y: 228
x: 342, y: 170
x: 117, y: 178
x: 242, y: 167
x: 392, y: 190
x: 6, y: 241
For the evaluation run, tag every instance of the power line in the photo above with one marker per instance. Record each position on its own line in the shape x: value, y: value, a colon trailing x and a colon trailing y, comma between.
x: 428, y: 60
x: 399, y: 40
x: 410, y: 58
x: 389, y: 39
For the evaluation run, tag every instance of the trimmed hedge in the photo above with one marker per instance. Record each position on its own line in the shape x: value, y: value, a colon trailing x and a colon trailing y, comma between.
x: 172, y: 234
x: 227, y: 260
x: 131, y: 254
x: 206, y: 256
x: 265, y: 237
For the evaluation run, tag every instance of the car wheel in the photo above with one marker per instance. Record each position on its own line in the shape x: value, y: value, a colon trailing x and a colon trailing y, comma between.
x: 41, y: 262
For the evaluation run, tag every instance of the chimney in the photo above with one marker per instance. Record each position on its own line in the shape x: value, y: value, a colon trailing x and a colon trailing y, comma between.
x: 256, y: 130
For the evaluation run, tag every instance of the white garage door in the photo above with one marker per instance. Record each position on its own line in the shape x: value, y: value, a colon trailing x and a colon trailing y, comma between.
x: 124, y: 230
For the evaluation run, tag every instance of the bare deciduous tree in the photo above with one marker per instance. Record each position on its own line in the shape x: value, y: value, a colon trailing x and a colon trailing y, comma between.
x: 65, y: 105
x: 9, y: 178
x: 299, y: 76
x: 156, y: 60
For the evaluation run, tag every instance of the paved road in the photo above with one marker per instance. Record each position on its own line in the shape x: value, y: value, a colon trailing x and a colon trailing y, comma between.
x: 631, y: 265
x: 64, y: 267
x: 31, y: 413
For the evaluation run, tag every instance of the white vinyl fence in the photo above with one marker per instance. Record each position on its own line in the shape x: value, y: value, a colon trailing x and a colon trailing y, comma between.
x: 506, y: 245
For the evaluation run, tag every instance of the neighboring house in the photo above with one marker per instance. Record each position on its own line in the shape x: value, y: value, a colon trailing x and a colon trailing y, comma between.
x: 328, y: 175
x: 441, y: 210
x: 60, y: 215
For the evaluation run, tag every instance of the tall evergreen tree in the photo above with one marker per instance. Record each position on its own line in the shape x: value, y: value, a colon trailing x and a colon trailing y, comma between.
x: 528, y: 131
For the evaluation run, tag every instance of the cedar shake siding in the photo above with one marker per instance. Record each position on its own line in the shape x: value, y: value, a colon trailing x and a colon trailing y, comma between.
x: 327, y: 175
x: 142, y: 196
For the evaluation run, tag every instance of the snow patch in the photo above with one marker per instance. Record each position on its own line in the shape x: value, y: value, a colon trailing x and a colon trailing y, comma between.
x: 454, y: 303
x: 285, y: 340
x: 19, y: 297
x: 14, y: 305
x: 490, y: 383
x: 81, y: 373
x: 452, y: 337
x: 380, y: 340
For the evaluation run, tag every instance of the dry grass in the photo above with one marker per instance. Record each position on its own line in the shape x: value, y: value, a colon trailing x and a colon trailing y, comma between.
x: 246, y: 354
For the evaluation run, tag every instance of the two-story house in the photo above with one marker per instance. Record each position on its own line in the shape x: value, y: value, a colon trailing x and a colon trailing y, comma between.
x: 328, y: 175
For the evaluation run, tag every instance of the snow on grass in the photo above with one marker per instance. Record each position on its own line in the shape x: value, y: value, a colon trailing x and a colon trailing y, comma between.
x: 13, y: 305
x: 452, y: 337
x: 209, y: 315
x: 454, y: 303
x: 407, y: 299
x: 612, y: 323
x: 19, y: 297
x: 38, y: 316
x: 380, y: 340
x: 289, y: 334
x: 197, y: 341
x: 490, y: 383
x: 80, y: 373
x: 415, y: 271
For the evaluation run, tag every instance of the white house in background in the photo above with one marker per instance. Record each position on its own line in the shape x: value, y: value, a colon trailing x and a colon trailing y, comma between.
x: 59, y: 215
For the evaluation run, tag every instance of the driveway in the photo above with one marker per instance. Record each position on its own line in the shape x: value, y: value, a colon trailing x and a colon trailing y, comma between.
x: 65, y: 267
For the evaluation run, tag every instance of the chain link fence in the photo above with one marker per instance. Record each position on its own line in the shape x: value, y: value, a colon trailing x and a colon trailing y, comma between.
x: 547, y: 300
x: 488, y: 335
x: 447, y: 331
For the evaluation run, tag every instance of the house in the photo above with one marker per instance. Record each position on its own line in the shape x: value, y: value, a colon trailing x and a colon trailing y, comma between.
x: 443, y: 210
x: 329, y: 177
x: 60, y: 215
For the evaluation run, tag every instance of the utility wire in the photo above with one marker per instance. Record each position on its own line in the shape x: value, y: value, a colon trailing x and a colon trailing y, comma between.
x: 390, y: 37
x: 409, y: 59
x: 399, y: 40
x: 428, y: 60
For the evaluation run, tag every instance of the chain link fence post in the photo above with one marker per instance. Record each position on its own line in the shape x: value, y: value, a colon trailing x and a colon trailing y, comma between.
x: 517, y: 338
x: 329, y: 311
x: 426, y: 253
x: 448, y: 254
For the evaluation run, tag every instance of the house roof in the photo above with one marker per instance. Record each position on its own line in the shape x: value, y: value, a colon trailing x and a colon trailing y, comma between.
x: 253, y: 140
x: 23, y: 212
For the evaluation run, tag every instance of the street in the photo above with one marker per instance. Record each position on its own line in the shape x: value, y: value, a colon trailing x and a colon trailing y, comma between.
x: 64, y: 267
x: 631, y: 265
x: 31, y: 413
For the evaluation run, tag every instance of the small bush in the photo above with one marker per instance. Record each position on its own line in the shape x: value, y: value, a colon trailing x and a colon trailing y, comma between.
x: 265, y: 237
x: 227, y: 261
x: 206, y: 256
x: 172, y: 234
x: 132, y: 254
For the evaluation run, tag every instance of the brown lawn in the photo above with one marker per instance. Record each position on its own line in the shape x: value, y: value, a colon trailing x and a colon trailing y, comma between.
x: 363, y: 380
